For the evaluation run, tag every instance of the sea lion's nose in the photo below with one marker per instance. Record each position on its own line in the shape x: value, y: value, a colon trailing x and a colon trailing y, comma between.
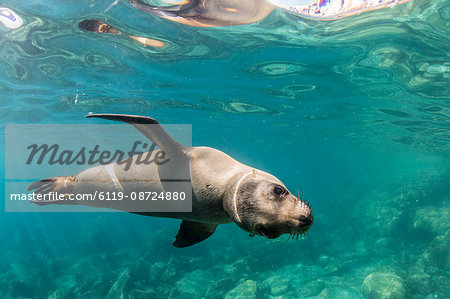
x: 305, y: 221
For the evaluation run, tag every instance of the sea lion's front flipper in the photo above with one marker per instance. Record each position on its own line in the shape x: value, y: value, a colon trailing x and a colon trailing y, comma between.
x: 191, y: 233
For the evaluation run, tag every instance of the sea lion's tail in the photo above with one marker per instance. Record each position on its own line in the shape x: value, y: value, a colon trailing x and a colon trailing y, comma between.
x: 57, y: 185
x: 165, y: 12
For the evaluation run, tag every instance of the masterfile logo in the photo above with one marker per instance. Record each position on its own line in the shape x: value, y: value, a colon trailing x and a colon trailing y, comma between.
x: 76, y: 167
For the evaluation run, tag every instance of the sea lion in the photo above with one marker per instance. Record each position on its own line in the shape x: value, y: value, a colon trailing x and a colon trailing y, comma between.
x: 223, y: 189
x: 211, y: 13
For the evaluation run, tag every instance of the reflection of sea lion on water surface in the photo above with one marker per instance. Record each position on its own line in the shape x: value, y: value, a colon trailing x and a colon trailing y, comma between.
x: 223, y: 189
x: 211, y: 13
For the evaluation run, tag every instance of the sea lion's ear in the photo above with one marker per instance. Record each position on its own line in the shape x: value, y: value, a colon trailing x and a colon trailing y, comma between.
x: 151, y: 129
x: 254, y: 173
x: 191, y: 233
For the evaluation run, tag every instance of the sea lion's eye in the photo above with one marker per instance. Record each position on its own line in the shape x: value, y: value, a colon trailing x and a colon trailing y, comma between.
x: 278, y: 190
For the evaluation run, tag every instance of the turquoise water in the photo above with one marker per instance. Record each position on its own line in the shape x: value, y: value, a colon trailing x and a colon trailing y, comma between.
x: 354, y: 113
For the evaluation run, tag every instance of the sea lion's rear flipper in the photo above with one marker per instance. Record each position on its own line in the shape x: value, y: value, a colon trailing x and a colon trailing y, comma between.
x: 151, y: 129
x: 174, y: 173
x: 191, y: 233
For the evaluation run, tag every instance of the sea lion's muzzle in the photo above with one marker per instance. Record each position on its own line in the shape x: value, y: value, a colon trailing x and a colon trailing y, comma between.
x: 306, y: 221
x: 304, y: 225
x: 295, y: 219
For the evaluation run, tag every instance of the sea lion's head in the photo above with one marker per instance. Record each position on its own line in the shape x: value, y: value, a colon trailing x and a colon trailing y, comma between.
x: 263, y: 206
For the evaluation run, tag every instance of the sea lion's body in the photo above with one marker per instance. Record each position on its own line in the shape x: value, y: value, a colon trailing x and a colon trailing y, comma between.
x: 210, y: 13
x: 211, y: 171
x: 223, y: 189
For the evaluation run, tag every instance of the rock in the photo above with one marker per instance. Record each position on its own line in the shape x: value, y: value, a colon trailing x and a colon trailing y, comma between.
x: 157, y: 270
x: 291, y: 278
x: 61, y: 293
x: 20, y: 288
x: 384, y: 214
x: 323, y: 260
x: 169, y: 273
x: 195, y: 284
x: 219, y: 288
x: 141, y: 294
x: 383, y: 285
x: 276, y: 285
x: 245, y: 290
x: 94, y: 289
x: 87, y: 271
x: 442, y: 286
x: 119, y: 290
x: 67, y: 282
x: 432, y: 220
x: 284, y: 296
x: 164, y: 292
x: 299, y: 274
x: 311, y: 288
x: 18, y: 271
x: 419, y: 281
x: 340, y: 292
x: 437, y: 252
x: 237, y: 269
